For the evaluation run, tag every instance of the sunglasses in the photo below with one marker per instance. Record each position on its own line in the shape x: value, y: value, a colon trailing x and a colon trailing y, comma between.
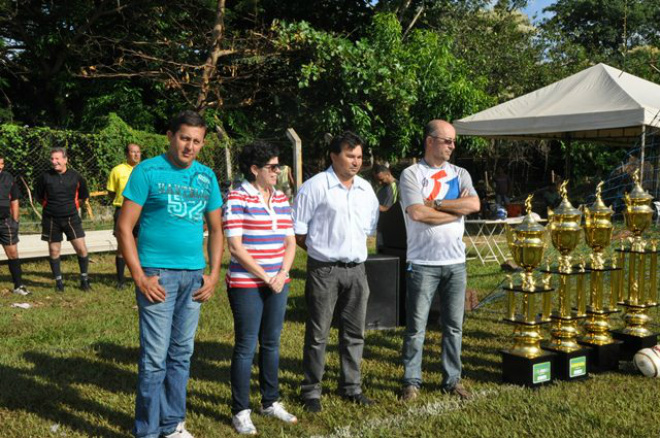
x: 445, y: 140
x: 272, y: 167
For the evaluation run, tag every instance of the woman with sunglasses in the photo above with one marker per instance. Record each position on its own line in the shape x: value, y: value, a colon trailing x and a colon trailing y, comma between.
x: 259, y: 230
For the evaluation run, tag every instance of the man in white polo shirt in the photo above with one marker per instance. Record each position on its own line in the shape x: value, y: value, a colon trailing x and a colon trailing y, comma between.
x: 334, y: 213
x: 435, y: 195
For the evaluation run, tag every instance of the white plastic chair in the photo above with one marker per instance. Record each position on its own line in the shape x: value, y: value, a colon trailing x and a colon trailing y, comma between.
x: 657, y: 210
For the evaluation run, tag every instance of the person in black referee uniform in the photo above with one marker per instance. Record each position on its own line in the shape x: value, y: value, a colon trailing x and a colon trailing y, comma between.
x: 61, y: 191
x: 9, y: 196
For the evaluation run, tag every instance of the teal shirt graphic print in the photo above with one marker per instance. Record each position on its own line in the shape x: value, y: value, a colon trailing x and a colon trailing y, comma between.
x: 173, y: 202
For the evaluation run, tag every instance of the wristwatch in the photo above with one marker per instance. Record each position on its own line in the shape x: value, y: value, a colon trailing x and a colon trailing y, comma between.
x: 437, y: 204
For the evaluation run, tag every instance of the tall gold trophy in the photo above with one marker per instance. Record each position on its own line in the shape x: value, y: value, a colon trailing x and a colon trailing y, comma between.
x: 566, y: 232
x: 641, y: 257
x: 604, y: 350
x: 526, y: 363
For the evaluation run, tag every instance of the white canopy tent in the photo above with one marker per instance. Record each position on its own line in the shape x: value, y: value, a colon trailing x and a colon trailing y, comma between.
x: 600, y: 104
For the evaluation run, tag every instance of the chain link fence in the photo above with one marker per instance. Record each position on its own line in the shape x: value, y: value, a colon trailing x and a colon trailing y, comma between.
x: 27, y: 155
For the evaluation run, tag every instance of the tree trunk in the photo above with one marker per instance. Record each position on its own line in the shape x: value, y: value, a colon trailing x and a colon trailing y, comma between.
x: 210, y: 67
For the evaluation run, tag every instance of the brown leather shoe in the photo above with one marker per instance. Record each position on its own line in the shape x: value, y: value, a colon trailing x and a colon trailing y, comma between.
x: 460, y: 391
x: 409, y: 393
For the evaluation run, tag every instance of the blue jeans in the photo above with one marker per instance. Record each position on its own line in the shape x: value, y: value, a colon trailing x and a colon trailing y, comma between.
x: 167, y: 335
x: 422, y: 282
x: 258, y: 315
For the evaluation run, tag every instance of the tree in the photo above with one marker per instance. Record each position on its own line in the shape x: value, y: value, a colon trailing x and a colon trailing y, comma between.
x: 383, y: 86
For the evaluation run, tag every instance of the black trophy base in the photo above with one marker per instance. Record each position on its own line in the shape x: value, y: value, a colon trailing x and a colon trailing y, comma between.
x: 572, y: 365
x: 603, y: 358
x: 530, y: 372
x: 632, y: 344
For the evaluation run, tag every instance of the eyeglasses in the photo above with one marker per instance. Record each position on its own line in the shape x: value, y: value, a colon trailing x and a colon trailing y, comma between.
x: 444, y: 140
x: 272, y: 167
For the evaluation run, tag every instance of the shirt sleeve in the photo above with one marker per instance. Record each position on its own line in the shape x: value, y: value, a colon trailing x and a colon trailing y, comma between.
x: 137, y: 187
x: 409, y: 189
x: 83, y: 191
x: 375, y: 212
x: 389, y: 196
x: 39, y: 189
x: 112, y: 181
x: 215, y: 198
x: 14, y: 192
x: 233, y: 214
x: 465, y: 181
x: 303, y: 210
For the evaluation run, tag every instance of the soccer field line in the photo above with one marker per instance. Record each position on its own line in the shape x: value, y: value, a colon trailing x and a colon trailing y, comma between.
x: 435, y: 408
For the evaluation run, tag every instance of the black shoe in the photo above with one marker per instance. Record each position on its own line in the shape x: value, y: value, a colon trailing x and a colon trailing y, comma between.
x: 312, y: 405
x: 84, y: 284
x: 59, y: 286
x: 121, y: 285
x: 359, y: 399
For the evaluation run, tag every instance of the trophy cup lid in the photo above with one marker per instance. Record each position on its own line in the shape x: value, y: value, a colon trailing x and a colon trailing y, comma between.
x: 599, y: 207
x: 529, y: 223
x: 565, y: 208
x: 638, y: 193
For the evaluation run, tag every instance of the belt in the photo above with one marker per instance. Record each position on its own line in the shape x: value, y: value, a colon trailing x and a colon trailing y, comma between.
x: 338, y: 264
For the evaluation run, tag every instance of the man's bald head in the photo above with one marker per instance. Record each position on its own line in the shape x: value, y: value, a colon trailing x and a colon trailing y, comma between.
x: 438, y: 128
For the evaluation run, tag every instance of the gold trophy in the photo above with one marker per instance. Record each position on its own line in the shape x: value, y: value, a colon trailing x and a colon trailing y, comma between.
x: 642, y: 259
x: 604, y: 350
x: 526, y: 363
x: 566, y: 233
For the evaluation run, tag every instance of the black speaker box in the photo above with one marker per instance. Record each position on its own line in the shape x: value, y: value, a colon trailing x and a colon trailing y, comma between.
x: 383, y: 305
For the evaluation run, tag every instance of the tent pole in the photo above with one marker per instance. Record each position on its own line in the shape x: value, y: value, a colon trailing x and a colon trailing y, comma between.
x: 656, y: 168
x: 567, y: 158
x: 642, y: 154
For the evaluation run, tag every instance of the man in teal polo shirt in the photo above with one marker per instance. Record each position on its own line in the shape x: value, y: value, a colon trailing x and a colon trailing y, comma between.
x: 171, y: 195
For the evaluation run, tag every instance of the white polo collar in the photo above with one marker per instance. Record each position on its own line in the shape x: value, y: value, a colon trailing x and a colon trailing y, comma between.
x: 333, y: 181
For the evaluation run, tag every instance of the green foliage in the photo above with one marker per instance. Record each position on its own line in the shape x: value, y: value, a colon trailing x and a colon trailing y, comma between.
x: 382, y: 86
x: 93, y: 155
x: 606, y: 27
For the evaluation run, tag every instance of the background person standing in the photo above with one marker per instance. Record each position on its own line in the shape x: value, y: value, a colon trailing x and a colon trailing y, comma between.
x: 61, y: 192
x: 116, y: 182
x: 9, y: 217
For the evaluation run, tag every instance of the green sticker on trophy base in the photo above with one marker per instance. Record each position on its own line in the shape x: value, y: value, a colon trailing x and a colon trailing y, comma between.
x: 541, y: 372
x: 578, y: 366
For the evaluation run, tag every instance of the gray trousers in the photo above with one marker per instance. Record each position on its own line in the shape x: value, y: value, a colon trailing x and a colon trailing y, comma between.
x: 329, y: 286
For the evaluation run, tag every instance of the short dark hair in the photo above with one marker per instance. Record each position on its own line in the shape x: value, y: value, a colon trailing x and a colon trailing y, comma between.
x: 59, y: 149
x: 187, y: 117
x: 379, y: 168
x: 257, y: 153
x: 348, y: 138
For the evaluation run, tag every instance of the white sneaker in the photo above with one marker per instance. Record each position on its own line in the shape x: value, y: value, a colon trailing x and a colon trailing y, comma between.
x: 21, y: 290
x: 277, y: 410
x: 243, y: 423
x: 180, y: 432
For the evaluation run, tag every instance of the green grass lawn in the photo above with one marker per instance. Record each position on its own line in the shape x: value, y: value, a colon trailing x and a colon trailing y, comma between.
x: 68, y: 369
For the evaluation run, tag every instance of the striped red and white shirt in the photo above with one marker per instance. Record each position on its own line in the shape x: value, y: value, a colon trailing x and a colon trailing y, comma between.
x: 263, y: 230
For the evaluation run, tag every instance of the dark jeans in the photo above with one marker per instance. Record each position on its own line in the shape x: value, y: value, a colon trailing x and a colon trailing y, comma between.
x: 258, y: 314
x: 328, y: 287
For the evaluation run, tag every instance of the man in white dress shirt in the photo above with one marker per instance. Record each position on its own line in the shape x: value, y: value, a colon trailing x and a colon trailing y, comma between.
x: 334, y: 213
